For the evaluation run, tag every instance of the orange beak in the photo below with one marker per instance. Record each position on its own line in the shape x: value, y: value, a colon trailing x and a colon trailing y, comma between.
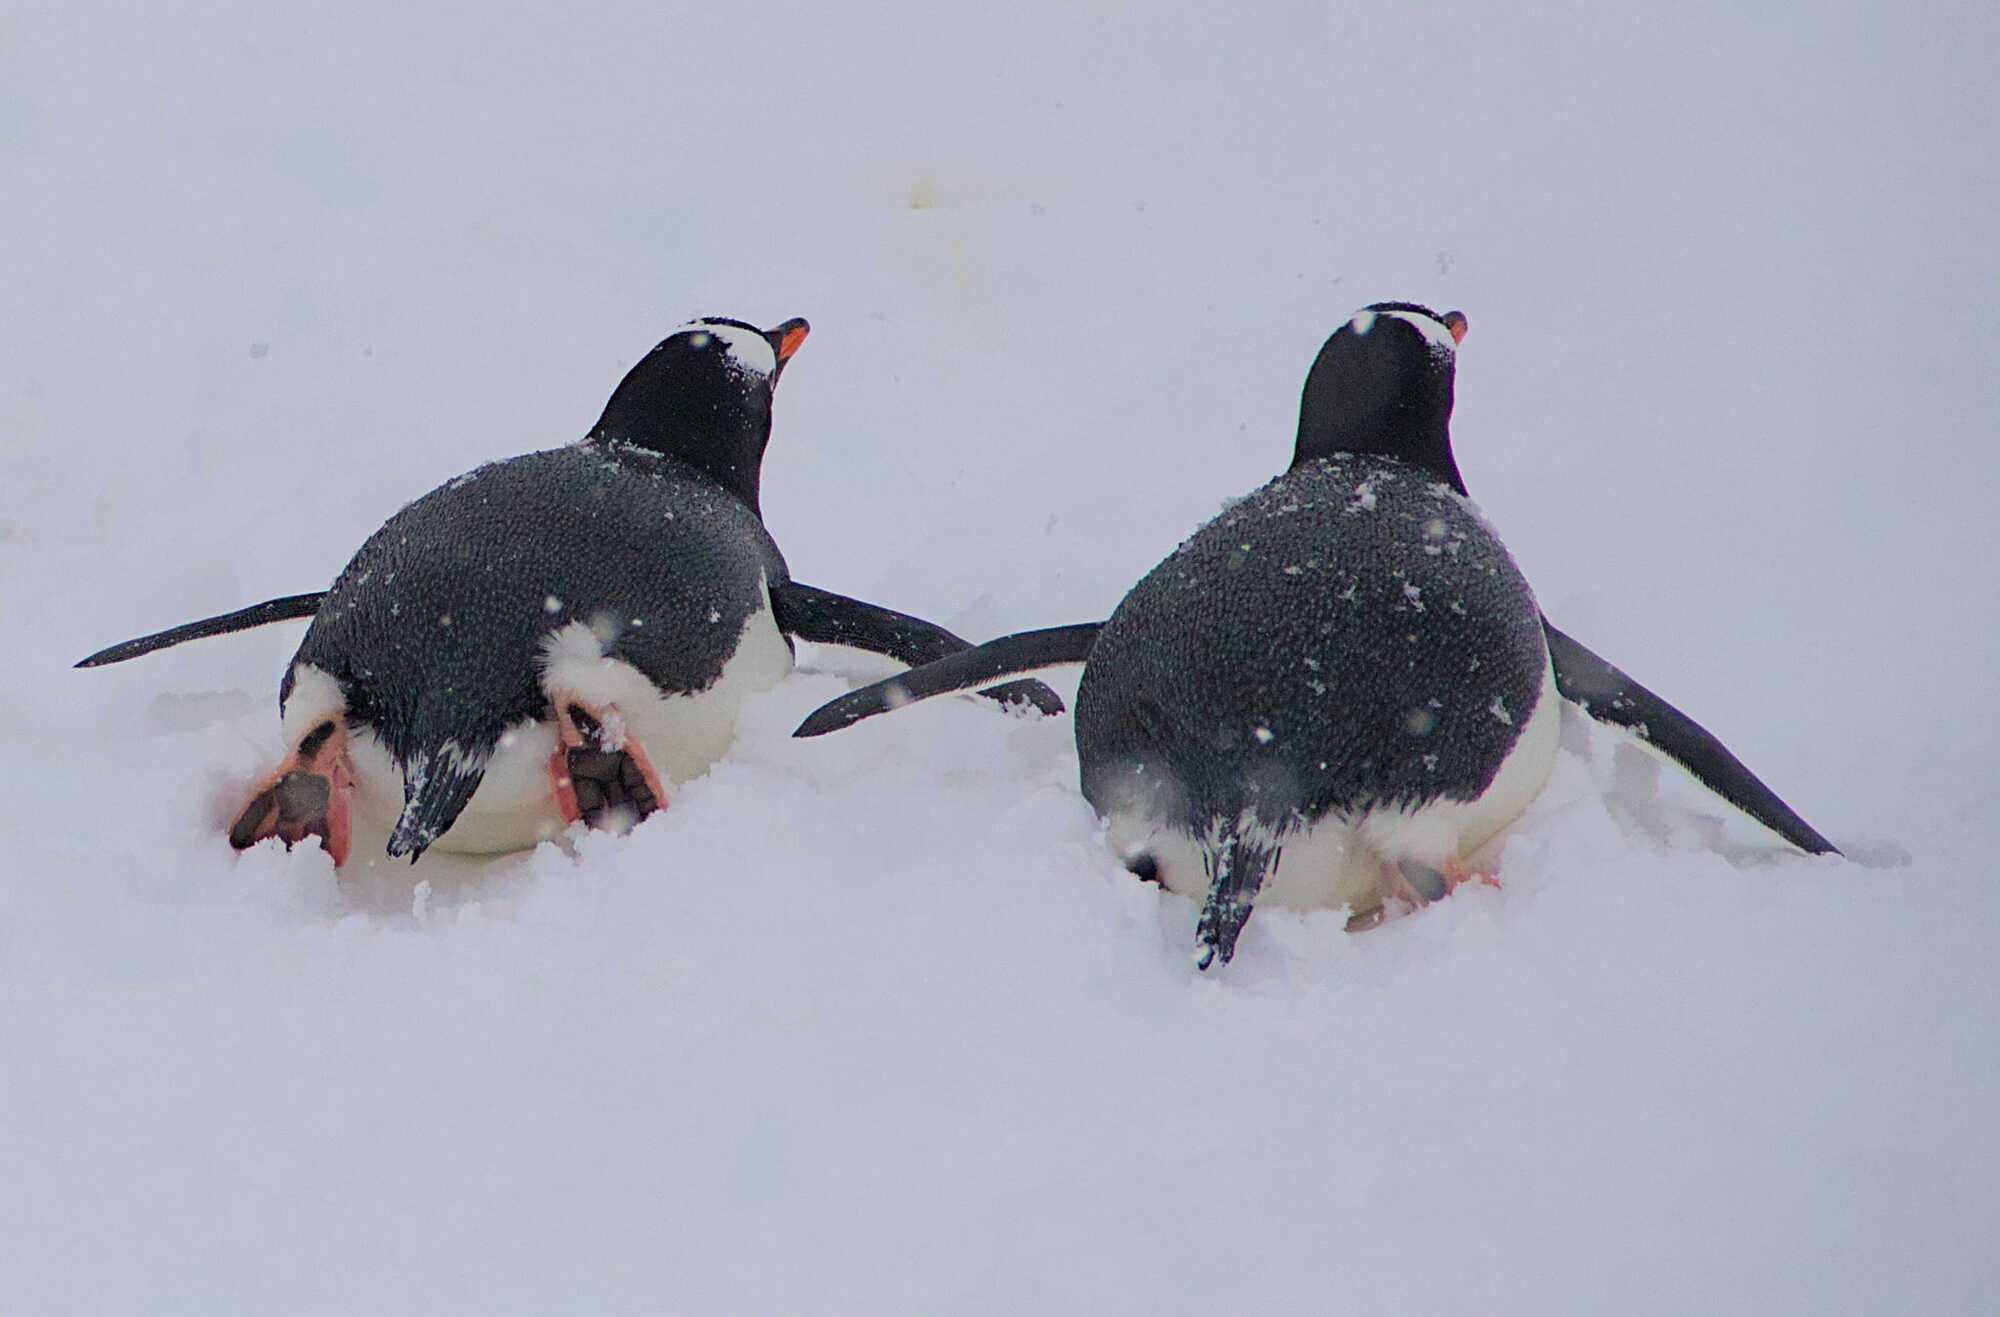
x: 786, y: 338
x: 1455, y: 321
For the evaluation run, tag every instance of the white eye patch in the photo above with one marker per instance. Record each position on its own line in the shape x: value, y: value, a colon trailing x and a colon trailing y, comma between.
x: 746, y: 347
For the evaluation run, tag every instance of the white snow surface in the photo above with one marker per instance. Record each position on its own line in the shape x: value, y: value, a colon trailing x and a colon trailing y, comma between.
x: 874, y: 1023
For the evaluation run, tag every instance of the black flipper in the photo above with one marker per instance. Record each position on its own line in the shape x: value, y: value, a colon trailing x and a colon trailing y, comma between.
x: 1024, y: 651
x: 826, y: 618
x: 243, y: 619
x: 1610, y: 696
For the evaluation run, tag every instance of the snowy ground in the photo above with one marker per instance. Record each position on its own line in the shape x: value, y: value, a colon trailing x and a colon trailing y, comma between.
x: 873, y: 1023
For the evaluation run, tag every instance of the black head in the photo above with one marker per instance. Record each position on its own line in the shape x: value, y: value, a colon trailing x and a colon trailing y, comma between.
x: 1382, y: 384
x: 704, y: 396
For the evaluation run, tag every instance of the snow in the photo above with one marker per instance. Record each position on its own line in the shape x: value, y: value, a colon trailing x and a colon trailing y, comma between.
x: 874, y: 1023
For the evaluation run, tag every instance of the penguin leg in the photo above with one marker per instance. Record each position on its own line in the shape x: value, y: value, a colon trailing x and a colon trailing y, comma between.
x: 600, y: 774
x: 306, y: 797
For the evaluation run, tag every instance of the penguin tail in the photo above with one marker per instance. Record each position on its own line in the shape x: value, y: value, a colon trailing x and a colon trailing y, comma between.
x: 969, y: 669
x: 1239, y: 855
x: 438, y: 780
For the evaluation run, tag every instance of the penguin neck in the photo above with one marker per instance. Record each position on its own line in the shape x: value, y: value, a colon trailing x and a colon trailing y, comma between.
x: 1412, y: 426
x: 724, y: 442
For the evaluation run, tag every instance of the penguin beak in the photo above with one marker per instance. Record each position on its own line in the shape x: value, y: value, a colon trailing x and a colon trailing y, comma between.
x: 785, y: 340
x: 1456, y: 322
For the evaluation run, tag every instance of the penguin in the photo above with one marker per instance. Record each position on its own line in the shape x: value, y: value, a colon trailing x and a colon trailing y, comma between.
x: 562, y: 636
x: 1341, y: 691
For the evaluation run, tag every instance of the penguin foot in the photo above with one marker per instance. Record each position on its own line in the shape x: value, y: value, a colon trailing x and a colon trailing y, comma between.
x: 1404, y: 886
x: 306, y: 797
x: 601, y: 776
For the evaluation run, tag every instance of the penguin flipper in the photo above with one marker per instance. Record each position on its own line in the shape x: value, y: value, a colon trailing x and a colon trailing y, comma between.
x: 826, y: 618
x: 243, y: 619
x: 1610, y: 696
x: 1024, y: 651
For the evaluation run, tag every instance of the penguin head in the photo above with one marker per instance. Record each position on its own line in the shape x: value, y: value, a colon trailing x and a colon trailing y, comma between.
x: 704, y: 396
x: 1382, y: 384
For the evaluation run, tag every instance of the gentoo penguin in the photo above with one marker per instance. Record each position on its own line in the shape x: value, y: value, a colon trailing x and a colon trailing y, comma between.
x: 1341, y: 690
x: 559, y: 636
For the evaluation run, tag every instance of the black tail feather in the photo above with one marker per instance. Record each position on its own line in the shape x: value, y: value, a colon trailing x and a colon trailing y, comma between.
x: 437, y: 783
x: 243, y: 619
x: 1237, y: 867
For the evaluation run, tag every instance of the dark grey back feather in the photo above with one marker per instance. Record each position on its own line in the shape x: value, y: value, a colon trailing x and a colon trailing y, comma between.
x: 1349, y: 636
